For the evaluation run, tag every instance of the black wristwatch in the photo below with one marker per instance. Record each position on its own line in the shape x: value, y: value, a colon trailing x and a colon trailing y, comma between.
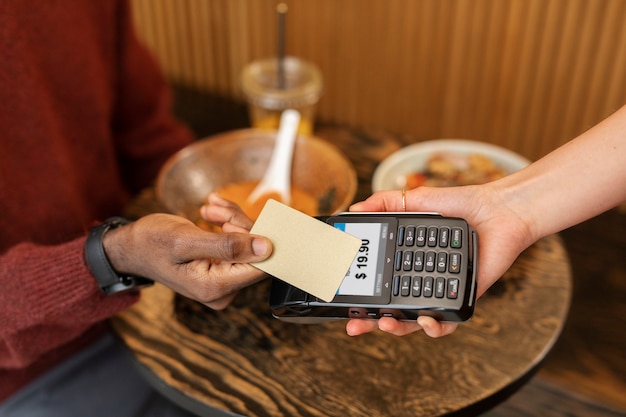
x: 109, y: 281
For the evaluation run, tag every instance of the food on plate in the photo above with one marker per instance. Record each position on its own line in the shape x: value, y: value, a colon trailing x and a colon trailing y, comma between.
x: 449, y: 169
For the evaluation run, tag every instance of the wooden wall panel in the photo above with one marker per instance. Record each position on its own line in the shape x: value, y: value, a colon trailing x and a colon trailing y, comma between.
x: 525, y: 74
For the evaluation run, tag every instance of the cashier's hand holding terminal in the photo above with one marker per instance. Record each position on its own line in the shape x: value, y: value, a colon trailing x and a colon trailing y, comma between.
x: 493, y: 231
x: 577, y: 181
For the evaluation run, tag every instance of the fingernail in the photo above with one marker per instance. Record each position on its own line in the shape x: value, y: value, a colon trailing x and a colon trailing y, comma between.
x: 215, y: 197
x: 260, y: 247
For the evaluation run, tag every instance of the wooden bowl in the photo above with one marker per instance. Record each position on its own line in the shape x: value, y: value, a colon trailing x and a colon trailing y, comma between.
x: 318, y: 168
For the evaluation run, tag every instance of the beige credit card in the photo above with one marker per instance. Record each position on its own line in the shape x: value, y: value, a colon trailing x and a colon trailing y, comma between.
x: 308, y: 254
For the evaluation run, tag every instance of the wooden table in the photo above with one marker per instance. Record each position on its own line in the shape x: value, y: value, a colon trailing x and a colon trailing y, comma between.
x: 247, y: 363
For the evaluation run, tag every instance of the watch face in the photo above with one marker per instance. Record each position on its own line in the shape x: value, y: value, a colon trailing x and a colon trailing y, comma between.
x: 128, y: 284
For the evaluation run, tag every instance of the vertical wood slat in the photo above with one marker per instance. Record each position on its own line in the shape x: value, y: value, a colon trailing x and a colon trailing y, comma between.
x: 525, y: 74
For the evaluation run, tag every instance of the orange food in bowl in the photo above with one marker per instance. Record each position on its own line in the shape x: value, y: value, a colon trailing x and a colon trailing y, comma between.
x: 238, y: 192
x: 323, y: 179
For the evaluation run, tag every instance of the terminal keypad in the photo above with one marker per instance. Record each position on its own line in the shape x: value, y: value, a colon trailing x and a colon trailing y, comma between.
x: 428, y: 261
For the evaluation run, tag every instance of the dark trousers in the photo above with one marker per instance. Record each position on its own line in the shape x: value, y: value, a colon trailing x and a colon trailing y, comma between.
x: 100, y: 381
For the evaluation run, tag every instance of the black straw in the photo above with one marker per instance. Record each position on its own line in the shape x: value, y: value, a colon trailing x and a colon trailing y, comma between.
x: 281, y: 9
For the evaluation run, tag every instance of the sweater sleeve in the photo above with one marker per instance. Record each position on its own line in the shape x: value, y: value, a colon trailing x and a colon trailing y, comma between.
x: 56, y: 299
x: 145, y: 130
x: 48, y: 297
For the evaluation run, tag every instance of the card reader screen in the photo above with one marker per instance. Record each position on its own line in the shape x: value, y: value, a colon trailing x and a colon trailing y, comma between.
x: 365, y: 276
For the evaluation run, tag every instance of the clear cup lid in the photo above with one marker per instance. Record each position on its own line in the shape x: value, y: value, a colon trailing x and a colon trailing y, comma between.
x: 261, y: 86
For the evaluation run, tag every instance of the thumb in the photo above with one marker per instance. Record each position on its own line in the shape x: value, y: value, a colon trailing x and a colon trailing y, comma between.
x: 381, y: 201
x: 231, y: 247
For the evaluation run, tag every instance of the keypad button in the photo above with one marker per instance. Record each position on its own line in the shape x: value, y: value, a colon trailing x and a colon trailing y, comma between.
x: 457, y: 236
x: 398, y: 262
x: 430, y: 261
x: 416, y: 290
x: 407, y: 260
x: 453, y: 288
x: 396, y: 285
x: 405, y: 286
x: 418, y: 261
x: 440, y: 287
x: 400, y: 239
x: 432, y: 236
x: 409, y: 237
x: 442, y: 261
x: 420, y: 236
x: 454, y: 264
x: 444, y: 236
x: 427, y: 290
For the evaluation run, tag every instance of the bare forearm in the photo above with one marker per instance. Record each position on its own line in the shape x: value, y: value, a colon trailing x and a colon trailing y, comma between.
x: 581, y: 179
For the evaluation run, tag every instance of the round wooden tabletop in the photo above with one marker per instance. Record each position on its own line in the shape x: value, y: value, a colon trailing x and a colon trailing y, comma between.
x: 242, y: 361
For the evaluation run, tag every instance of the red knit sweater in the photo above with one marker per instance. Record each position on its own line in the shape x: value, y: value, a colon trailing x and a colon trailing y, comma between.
x: 84, y: 122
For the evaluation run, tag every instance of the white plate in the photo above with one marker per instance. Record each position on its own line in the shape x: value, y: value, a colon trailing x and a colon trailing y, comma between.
x: 391, y: 172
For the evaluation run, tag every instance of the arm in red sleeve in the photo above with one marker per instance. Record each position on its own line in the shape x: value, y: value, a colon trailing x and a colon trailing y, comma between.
x: 145, y: 129
x: 85, y: 116
x: 54, y: 300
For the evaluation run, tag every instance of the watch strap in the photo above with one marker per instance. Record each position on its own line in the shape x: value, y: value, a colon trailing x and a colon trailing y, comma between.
x: 108, y: 280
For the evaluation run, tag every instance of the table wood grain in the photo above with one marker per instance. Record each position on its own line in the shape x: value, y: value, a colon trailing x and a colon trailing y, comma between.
x: 242, y: 361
